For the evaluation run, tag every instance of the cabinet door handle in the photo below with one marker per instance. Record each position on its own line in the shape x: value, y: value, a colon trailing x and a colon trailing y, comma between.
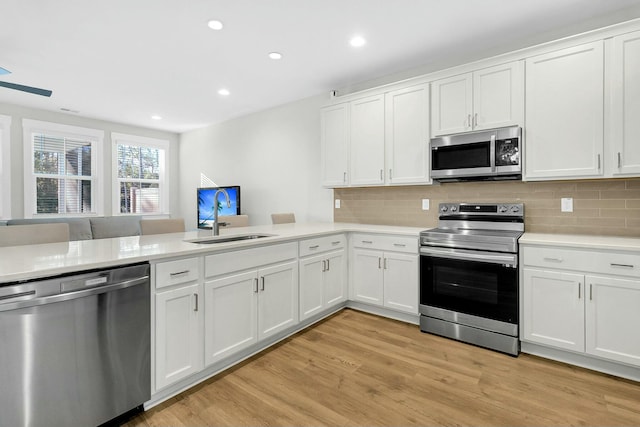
x: 613, y: 264
x: 468, y: 120
x: 579, y: 290
x: 344, y: 177
x: 324, y: 265
x: 179, y: 273
x: 619, y: 160
x: 381, y: 174
x: 590, y: 291
x: 390, y: 175
x: 256, y: 283
x: 262, y: 283
x: 196, y: 307
x: 553, y: 259
x: 598, y: 161
x: 379, y: 263
x: 475, y: 120
x: 385, y: 264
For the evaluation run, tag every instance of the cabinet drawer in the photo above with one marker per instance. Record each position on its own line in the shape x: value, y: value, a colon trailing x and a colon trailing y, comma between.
x: 604, y: 262
x: 175, y: 272
x: 385, y: 242
x: 228, y: 262
x: 322, y: 244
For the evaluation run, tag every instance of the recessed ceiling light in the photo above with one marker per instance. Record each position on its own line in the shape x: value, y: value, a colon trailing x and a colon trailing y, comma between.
x: 215, y: 25
x: 357, y: 41
x: 156, y: 117
x: 224, y: 92
x: 275, y: 55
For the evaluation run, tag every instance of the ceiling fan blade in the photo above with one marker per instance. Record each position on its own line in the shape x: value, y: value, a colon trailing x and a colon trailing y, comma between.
x: 34, y: 90
x: 4, y: 71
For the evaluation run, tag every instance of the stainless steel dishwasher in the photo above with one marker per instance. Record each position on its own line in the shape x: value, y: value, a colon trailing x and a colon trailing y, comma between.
x: 75, y: 350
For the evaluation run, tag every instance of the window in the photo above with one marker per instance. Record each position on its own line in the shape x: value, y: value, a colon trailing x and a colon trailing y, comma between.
x: 5, y: 167
x: 140, y: 175
x: 62, y: 174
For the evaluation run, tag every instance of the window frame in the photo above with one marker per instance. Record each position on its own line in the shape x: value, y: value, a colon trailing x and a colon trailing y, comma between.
x: 163, y: 177
x: 5, y: 167
x: 95, y: 136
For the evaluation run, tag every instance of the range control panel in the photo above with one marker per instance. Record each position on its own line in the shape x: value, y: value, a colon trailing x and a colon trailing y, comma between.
x: 484, y: 209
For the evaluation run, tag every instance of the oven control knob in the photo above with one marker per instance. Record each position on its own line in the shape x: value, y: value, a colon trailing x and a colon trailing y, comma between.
x: 502, y: 209
x: 515, y: 209
x: 444, y: 209
x: 454, y: 208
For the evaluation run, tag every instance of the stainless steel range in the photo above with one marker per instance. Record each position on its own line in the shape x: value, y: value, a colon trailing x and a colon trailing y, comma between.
x: 469, y: 274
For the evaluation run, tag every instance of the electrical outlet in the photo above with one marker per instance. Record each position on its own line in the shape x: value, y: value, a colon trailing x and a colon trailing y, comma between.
x: 425, y: 204
x: 337, y: 204
x: 566, y: 204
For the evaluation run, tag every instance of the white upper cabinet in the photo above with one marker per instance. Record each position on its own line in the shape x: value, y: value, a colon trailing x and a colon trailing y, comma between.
x: 564, y: 113
x: 484, y: 99
x: 624, y: 127
x: 367, y: 141
x: 407, y: 135
x: 335, y: 128
x: 451, y: 105
x: 498, y: 96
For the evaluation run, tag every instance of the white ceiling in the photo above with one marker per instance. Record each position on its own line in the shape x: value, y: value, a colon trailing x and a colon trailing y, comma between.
x: 126, y: 60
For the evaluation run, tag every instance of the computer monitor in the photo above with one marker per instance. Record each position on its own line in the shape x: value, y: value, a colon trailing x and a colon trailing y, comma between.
x: 206, y: 208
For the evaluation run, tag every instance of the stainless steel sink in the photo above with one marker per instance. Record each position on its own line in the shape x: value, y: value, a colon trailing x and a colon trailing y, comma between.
x: 227, y: 239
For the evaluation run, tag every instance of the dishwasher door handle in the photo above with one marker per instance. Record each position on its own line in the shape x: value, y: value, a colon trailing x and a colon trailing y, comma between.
x: 73, y: 295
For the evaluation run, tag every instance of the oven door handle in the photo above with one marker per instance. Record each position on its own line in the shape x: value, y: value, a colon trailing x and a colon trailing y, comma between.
x: 494, y: 258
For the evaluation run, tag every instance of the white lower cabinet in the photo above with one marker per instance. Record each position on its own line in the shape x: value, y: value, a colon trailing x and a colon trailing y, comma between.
x: 249, y: 297
x: 385, y: 271
x: 576, y: 300
x: 230, y: 302
x: 178, y: 313
x: 612, y: 314
x: 323, y: 274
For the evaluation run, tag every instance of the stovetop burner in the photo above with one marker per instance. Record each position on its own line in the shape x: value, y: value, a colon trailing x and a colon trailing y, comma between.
x: 487, y: 226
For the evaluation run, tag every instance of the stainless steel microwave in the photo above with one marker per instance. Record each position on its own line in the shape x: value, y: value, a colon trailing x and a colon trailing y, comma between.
x: 486, y: 155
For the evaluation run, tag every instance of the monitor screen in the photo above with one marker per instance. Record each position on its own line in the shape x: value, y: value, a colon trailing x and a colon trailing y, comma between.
x: 206, y: 208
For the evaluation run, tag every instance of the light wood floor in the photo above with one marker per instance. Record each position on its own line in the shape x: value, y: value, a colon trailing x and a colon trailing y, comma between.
x: 356, y: 369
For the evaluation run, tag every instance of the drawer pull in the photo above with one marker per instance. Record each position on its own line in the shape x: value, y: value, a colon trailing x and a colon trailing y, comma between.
x: 613, y: 264
x: 314, y: 247
x: 400, y: 245
x: 337, y: 242
x: 179, y: 273
x: 553, y: 259
x: 367, y: 241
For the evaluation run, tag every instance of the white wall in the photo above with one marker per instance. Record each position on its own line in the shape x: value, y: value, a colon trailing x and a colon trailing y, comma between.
x: 17, y: 113
x: 274, y: 155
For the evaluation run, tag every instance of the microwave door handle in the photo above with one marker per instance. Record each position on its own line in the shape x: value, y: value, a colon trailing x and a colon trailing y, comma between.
x: 492, y: 152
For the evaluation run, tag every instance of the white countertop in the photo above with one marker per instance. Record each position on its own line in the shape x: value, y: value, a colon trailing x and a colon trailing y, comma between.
x: 27, y: 262
x: 582, y: 241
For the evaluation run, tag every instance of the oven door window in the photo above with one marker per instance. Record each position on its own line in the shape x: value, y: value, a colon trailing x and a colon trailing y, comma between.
x: 471, y: 287
x: 462, y: 156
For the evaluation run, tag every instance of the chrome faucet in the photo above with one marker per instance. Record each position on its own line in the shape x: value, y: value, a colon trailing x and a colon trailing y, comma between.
x: 216, y: 224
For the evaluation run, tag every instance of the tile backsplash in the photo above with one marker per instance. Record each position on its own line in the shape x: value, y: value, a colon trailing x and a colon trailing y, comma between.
x: 600, y: 207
